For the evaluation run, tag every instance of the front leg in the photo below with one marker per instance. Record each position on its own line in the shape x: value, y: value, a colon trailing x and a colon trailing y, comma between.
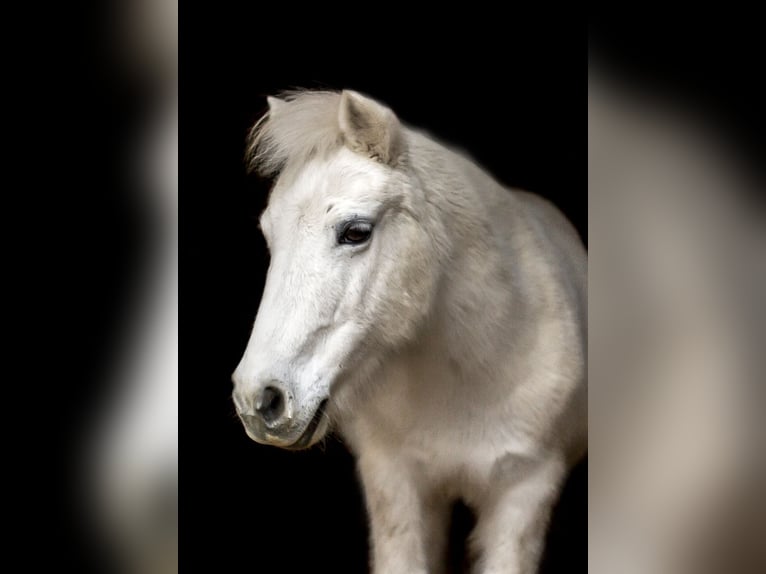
x: 513, y: 519
x: 401, y: 521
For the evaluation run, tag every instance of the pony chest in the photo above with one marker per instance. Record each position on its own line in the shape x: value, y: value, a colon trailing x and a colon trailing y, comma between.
x: 436, y: 425
x: 450, y: 450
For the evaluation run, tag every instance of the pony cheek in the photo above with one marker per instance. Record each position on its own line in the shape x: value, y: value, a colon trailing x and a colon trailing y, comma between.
x: 407, y: 300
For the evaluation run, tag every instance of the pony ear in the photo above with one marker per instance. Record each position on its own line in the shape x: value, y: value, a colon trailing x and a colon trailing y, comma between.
x: 275, y: 105
x: 369, y: 128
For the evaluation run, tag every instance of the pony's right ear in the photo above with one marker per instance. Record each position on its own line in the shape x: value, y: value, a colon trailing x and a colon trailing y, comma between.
x: 369, y: 128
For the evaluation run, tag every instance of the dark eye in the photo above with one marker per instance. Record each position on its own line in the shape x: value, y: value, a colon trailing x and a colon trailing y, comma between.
x: 355, y: 232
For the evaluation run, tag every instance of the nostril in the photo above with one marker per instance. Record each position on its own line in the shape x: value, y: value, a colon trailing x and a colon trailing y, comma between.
x: 271, y: 404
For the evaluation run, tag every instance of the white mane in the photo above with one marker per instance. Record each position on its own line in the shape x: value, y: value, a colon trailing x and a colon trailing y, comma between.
x: 295, y: 132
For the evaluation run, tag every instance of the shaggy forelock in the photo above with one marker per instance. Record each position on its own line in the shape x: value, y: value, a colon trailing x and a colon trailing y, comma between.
x: 304, y: 126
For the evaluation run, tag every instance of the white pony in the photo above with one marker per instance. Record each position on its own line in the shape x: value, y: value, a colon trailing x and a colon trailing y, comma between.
x: 434, y: 317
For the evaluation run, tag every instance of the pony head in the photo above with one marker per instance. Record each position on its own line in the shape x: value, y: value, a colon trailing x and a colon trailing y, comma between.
x: 353, y: 272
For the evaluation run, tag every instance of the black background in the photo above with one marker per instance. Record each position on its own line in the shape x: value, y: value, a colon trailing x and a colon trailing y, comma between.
x: 517, y: 106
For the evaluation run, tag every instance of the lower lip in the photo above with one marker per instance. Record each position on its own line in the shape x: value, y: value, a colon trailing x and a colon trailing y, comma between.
x: 308, y: 434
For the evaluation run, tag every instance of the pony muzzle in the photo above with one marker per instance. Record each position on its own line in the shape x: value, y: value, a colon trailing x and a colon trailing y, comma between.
x: 272, y: 418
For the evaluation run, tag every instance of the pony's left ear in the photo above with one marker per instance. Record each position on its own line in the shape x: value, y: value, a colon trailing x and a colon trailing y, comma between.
x: 370, y: 128
x: 275, y: 104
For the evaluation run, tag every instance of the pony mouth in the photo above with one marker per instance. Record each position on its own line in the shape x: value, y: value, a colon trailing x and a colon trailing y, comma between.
x: 304, y: 441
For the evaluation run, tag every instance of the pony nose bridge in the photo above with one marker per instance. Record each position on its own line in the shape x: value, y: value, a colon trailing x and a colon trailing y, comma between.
x: 278, y: 356
x: 310, y: 340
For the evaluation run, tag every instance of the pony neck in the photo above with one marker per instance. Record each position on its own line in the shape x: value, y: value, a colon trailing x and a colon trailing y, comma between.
x: 475, y: 222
